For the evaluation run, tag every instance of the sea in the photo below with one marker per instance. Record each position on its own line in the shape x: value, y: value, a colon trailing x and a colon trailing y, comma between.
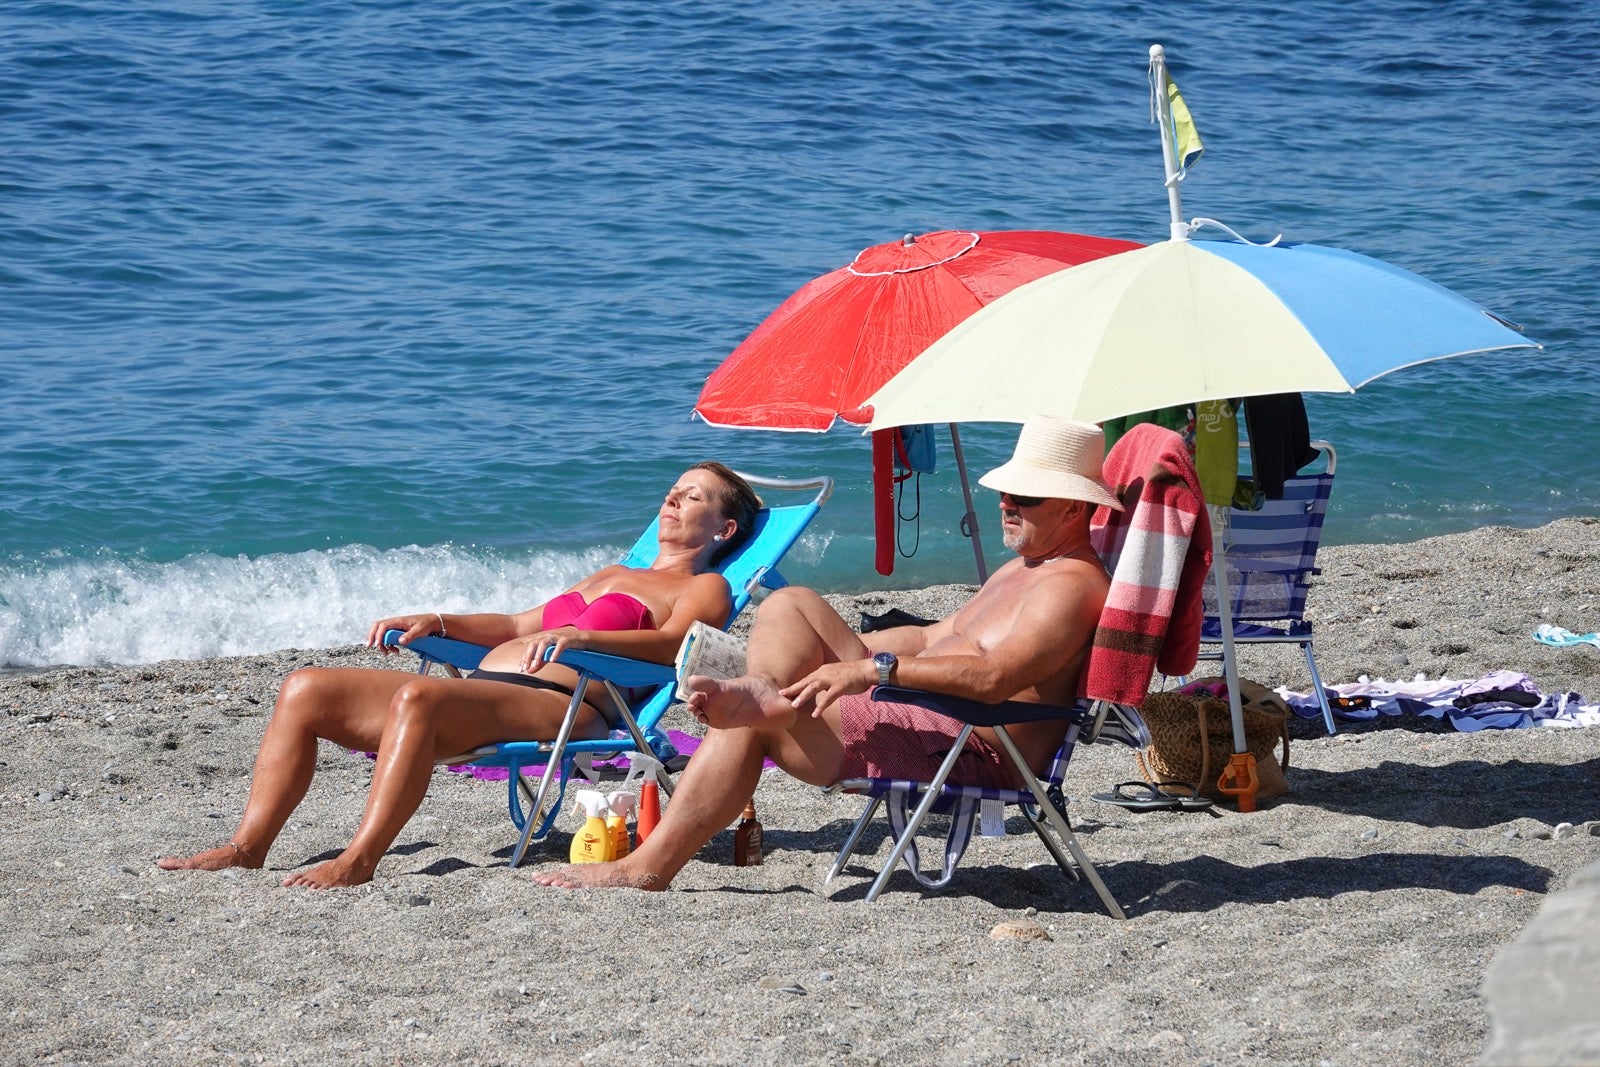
x: 313, y: 311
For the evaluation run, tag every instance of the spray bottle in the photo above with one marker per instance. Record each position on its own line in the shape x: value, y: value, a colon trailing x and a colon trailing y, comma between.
x: 644, y: 768
x: 619, y: 805
x: 592, y: 842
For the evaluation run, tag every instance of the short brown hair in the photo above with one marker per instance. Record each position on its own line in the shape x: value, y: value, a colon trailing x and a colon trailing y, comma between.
x: 736, y: 501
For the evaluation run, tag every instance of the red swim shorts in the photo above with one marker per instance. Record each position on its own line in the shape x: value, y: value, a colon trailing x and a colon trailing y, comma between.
x: 883, y: 739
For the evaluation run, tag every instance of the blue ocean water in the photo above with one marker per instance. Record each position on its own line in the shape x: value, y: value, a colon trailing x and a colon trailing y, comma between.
x: 312, y: 311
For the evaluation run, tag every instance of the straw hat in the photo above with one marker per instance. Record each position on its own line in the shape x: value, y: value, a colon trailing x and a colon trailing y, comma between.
x: 1058, y: 459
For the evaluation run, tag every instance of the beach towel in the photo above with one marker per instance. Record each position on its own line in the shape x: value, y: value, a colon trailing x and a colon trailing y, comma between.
x: 1158, y: 550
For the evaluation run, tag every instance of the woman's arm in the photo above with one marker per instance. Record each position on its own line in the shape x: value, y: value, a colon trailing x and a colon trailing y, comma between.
x: 481, y: 629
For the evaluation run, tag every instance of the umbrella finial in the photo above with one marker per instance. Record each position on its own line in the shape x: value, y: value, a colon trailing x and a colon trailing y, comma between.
x: 907, y: 241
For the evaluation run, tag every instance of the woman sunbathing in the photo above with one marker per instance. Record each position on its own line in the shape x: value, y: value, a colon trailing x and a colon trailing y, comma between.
x: 411, y: 720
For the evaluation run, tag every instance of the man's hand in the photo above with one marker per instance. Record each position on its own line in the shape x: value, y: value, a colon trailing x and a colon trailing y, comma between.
x: 822, y: 687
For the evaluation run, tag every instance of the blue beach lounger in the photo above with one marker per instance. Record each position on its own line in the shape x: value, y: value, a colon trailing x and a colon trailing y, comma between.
x: 752, y: 565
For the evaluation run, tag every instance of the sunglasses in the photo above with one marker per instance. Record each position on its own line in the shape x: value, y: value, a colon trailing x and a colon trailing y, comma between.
x: 1023, y: 501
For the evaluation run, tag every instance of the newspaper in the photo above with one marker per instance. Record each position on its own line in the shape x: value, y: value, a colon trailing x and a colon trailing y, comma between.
x: 709, y: 651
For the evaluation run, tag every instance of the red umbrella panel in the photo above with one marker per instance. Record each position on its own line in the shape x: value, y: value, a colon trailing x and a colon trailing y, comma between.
x: 842, y: 336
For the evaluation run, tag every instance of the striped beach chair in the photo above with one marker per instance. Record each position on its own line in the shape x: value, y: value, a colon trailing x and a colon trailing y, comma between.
x: 1271, y: 555
x: 1042, y: 804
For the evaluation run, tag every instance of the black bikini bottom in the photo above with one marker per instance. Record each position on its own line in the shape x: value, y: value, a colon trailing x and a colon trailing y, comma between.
x: 518, y: 678
x: 533, y: 682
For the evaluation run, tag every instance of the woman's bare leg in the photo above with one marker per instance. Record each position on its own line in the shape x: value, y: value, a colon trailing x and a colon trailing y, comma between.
x: 422, y: 719
x: 429, y: 719
x: 347, y: 705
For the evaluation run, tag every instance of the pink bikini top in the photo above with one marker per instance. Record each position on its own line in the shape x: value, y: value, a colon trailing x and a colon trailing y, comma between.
x: 610, y: 611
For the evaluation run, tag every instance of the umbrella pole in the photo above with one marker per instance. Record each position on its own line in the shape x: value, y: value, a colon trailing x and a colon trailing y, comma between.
x: 969, y: 521
x: 1169, y: 160
x: 1239, y: 779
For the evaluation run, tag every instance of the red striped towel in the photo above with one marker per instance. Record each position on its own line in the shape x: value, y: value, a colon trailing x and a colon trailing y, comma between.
x: 1157, y: 550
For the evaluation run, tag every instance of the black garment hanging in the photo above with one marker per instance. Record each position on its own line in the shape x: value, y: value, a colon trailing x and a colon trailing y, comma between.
x: 1280, y: 440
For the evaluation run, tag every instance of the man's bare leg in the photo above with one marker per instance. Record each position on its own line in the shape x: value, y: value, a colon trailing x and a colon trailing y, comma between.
x: 720, y: 778
x: 795, y: 632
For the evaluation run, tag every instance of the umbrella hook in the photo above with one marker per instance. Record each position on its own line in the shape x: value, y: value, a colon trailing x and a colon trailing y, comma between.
x: 1196, y: 223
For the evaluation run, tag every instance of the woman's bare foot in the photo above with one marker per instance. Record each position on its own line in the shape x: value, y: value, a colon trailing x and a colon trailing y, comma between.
x: 337, y: 873
x: 600, y: 876
x: 735, y: 702
x: 212, y: 859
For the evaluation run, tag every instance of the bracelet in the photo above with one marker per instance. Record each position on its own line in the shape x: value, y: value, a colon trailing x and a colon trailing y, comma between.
x: 441, y: 624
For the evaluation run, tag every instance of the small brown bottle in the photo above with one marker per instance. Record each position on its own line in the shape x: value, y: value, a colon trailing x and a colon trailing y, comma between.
x: 747, y: 838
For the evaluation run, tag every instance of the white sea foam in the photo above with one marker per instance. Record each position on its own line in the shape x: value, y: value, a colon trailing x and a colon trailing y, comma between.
x: 120, y: 611
x: 107, y: 610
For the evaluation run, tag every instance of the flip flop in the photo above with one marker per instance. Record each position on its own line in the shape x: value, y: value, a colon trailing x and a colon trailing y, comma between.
x: 1556, y: 636
x: 1142, y: 796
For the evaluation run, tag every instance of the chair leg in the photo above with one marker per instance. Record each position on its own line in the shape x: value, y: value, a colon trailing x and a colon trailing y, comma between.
x: 856, y: 831
x: 1037, y: 822
x: 1058, y: 823
x: 552, y: 769
x: 1316, y: 684
x: 929, y: 798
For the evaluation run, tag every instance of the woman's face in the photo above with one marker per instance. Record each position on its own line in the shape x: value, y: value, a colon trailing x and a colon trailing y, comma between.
x: 692, y: 511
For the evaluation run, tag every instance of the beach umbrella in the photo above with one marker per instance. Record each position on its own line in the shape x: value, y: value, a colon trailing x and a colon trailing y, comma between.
x: 1183, y: 321
x: 815, y: 359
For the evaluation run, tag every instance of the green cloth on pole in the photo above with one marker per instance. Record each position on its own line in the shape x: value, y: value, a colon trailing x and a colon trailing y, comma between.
x: 1216, y: 450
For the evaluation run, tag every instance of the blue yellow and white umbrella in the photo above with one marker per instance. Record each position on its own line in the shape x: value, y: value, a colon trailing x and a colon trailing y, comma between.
x: 1184, y: 321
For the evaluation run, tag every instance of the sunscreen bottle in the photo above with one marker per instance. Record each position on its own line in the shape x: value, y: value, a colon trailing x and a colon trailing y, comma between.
x: 620, y: 804
x: 645, y: 767
x: 747, y: 838
x: 592, y: 842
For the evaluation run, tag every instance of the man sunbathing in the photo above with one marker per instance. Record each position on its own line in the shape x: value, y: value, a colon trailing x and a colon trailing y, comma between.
x: 1024, y: 636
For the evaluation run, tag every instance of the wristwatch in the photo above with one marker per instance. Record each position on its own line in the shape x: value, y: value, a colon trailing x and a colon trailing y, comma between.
x: 885, y: 662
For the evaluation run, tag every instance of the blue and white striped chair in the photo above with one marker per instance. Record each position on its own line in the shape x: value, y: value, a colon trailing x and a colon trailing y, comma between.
x: 1271, y: 557
x: 1041, y: 803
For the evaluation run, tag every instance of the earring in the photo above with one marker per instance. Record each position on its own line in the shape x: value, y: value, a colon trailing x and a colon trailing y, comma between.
x: 716, y: 537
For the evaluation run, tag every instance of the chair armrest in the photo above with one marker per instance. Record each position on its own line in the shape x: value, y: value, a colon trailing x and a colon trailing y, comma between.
x: 462, y: 655
x: 465, y: 656
x: 978, y: 713
x: 618, y: 669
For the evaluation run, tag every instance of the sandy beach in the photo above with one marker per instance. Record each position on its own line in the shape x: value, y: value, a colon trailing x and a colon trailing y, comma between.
x: 1352, y: 921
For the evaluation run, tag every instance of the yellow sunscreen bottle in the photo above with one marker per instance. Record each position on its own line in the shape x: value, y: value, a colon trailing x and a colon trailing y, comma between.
x: 592, y: 842
x: 620, y: 805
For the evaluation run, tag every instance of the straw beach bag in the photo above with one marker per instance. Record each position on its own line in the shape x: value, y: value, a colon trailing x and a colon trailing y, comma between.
x: 1191, y: 737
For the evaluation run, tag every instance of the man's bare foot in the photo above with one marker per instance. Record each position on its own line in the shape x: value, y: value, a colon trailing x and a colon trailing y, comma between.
x: 212, y: 859
x: 734, y: 702
x: 599, y: 876
x: 337, y: 873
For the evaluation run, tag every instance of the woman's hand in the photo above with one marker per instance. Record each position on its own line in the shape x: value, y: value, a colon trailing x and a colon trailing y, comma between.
x: 413, y: 627
x: 555, y: 642
x: 828, y: 683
